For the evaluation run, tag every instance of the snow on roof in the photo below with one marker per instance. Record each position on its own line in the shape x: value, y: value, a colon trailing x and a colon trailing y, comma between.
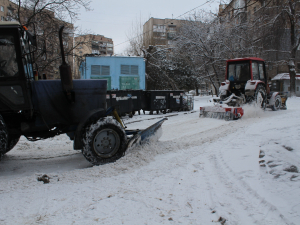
x: 285, y: 76
x: 242, y: 59
x: 9, y: 23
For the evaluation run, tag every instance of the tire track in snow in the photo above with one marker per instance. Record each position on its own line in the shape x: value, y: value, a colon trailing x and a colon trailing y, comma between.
x: 140, y: 156
x: 241, y: 189
x: 255, y: 205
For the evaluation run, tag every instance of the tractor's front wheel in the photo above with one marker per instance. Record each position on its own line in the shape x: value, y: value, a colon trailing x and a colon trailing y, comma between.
x: 3, y: 137
x: 104, y: 141
x: 277, y: 103
x: 260, y: 96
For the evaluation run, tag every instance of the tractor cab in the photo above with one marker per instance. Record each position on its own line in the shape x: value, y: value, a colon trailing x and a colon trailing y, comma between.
x: 16, y: 68
x: 242, y: 76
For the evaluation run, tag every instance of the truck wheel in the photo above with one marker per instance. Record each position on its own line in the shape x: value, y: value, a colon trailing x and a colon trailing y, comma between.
x: 260, y: 96
x: 12, y: 141
x: 3, y: 137
x: 277, y: 103
x: 104, y: 141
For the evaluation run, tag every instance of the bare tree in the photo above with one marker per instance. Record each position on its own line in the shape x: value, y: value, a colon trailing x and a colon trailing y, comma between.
x: 44, y: 18
x: 135, y: 37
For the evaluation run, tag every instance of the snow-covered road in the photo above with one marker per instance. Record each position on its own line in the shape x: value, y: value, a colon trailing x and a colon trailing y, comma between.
x: 200, y: 171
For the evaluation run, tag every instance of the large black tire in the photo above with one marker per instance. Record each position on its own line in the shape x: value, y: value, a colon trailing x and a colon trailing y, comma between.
x: 277, y: 103
x: 223, y: 97
x: 104, y: 141
x: 260, y: 96
x: 3, y: 137
x: 12, y: 141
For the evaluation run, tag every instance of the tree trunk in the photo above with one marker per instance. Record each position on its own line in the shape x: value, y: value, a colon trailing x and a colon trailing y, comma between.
x: 291, y: 64
x: 214, y: 87
x: 197, y: 89
x: 292, y: 73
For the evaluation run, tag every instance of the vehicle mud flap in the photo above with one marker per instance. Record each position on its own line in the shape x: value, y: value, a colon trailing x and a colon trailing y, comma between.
x: 143, y: 135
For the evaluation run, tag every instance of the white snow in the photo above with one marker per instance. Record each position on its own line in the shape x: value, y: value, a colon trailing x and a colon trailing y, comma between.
x: 200, y: 171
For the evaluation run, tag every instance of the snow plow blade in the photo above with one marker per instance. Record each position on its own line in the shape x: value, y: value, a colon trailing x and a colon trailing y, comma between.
x: 221, y: 112
x: 141, y: 136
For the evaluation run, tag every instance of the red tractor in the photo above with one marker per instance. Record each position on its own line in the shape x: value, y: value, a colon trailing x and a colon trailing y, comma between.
x: 245, y: 82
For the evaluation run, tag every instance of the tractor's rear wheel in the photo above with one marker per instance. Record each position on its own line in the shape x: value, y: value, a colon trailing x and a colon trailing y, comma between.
x: 260, y: 96
x: 12, y: 141
x: 277, y: 103
x: 104, y: 141
x: 3, y: 137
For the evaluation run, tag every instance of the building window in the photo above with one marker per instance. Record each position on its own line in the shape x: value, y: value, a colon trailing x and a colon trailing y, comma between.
x: 170, y: 42
x: 297, y: 88
x: 100, y: 70
x: 270, y: 67
x: 130, y: 69
x: 171, y: 36
x: 159, y: 28
x: 95, y: 52
x: 1, y: 8
x: 2, y: 18
x: 237, y: 5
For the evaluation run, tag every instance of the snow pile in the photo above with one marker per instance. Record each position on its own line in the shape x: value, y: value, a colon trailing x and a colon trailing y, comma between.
x: 199, y: 171
x: 253, y: 111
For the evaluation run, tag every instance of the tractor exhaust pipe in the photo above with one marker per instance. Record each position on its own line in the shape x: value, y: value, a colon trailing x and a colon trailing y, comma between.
x: 65, y: 72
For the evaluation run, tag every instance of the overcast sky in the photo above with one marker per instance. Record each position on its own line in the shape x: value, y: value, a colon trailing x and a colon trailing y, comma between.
x: 114, y: 18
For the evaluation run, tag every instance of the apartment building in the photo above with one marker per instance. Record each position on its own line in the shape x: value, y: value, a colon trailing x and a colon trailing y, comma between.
x: 276, y: 47
x: 94, y: 44
x: 7, y: 10
x: 91, y: 45
x: 242, y: 10
x: 160, y: 32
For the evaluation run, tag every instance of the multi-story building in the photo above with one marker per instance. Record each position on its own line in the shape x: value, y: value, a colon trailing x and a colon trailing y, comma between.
x: 94, y: 44
x: 91, y: 45
x: 237, y: 8
x: 7, y: 10
x: 275, y: 47
x: 160, y: 32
